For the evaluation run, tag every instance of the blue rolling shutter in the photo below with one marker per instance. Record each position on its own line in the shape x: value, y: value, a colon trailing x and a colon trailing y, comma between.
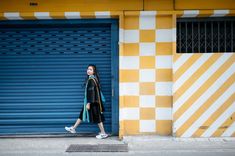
x: 42, y: 71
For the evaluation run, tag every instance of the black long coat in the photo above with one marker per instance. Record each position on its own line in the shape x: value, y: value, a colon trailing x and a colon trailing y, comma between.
x: 94, y: 98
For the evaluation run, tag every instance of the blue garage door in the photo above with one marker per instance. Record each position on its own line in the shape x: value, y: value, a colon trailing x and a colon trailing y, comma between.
x: 42, y: 71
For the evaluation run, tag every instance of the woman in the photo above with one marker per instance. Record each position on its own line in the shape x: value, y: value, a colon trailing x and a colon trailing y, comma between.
x: 93, y: 105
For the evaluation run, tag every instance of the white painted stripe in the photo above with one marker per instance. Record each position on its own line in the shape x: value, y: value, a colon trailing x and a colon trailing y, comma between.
x: 148, y: 13
x: 72, y: 15
x: 173, y: 34
x: 129, y: 62
x: 203, y: 98
x: 219, y: 121
x: 129, y: 114
x: 163, y: 88
x: 147, y: 126
x: 197, y: 84
x: 42, y: 15
x: 207, y: 114
x: 164, y: 62
x: 191, y: 70
x: 131, y: 36
x: 220, y: 13
x: 129, y: 89
x: 102, y: 14
x: 163, y: 113
x: 12, y: 15
x: 190, y: 13
x: 229, y: 131
x: 180, y: 61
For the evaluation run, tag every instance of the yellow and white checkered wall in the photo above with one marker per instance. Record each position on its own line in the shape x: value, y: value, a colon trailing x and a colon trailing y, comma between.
x: 146, y: 73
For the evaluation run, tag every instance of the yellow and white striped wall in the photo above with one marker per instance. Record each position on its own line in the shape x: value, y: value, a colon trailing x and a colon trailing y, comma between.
x: 161, y: 92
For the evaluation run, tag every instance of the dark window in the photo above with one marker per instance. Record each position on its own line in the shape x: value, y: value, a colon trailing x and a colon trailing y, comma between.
x: 206, y: 35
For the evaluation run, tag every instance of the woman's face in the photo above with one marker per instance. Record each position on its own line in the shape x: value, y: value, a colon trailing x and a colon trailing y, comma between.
x: 90, y: 70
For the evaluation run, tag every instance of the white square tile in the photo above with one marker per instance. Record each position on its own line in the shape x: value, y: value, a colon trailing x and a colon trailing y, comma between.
x: 165, y: 35
x: 129, y: 114
x: 12, y: 15
x: 129, y: 62
x: 147, y: 22
x: 72, y: 15
x: 147, y: 101
x: 163, y: 88
x: 147, y: 75
x: 129, y: 89
x: 121, y: 35
x: 163, y: 113
x: 147, y: 49
x: 131, y: 36
x: 147, y: 126
x: 164, y: 62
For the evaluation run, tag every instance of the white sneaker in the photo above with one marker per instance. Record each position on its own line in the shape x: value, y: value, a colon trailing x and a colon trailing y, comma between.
x: 101, y: 136
x: 70, y: 129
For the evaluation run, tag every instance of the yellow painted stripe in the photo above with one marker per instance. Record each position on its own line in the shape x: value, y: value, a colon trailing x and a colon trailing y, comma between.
x: 205, y: 13
x: 185, y: 66
x: 223, y: 127
x: 57, y: 15
x: 214, y: 116
x: 87, y: 14
x: 206, y: 105
x: 196, y: 76
x: 27, y: 15
x: 176, y: 57
x: 204, y: 87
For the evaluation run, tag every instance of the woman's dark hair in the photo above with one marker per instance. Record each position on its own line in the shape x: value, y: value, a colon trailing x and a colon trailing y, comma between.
x: 96, y: 74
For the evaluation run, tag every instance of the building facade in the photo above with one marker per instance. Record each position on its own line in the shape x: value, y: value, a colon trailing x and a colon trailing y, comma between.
x: 164, y: 74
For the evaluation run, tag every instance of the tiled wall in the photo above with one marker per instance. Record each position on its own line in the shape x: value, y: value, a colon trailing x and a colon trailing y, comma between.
x: 146, y: 73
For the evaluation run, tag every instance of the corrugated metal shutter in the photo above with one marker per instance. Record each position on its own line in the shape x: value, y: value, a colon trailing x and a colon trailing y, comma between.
x: 42, y: 69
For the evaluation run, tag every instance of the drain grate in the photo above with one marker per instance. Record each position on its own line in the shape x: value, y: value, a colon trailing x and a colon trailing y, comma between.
x: 98, y: 148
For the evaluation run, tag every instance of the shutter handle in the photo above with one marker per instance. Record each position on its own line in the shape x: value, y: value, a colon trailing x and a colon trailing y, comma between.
x: 112, y: 92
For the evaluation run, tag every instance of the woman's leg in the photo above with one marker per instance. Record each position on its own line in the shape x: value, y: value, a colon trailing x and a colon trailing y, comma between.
x: 77, y: 123
x: 101, y: 126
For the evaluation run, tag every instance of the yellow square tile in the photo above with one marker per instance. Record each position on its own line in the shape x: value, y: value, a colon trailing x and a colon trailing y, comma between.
x: 164, y: 101
x: 163, y: 75
x: 131, y: 22
x: 147, y: 35
x: 57, y: 15
x: 129, y: 75
x: 163, y: 22
x: 131, y: 49
x: 147, y: 88
x: 164, y: 48
x: 147, y: 62
x: 129, y: 101
x: 131, y: 127
x: 164, y: 127
x: 147, y: 113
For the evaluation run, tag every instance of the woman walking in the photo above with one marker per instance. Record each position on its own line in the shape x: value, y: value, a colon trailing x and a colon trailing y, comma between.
x: 93, y: 108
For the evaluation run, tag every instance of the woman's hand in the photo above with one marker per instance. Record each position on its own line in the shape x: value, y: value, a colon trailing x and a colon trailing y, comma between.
x: 88, y: 106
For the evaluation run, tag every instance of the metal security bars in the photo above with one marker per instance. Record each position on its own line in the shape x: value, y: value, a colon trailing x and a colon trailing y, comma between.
x: 206, y: 35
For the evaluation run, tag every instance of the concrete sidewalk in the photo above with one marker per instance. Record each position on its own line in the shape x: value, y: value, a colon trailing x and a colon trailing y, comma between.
x: 138, y: 145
